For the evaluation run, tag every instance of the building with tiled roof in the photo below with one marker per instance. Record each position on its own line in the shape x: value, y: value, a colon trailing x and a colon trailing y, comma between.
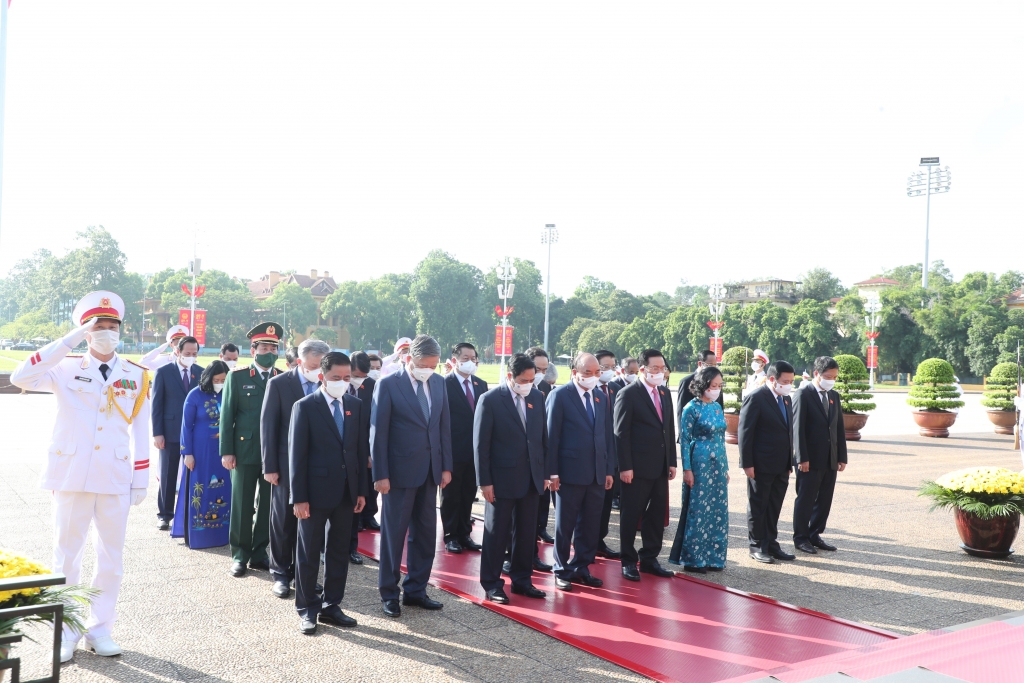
x: 872, y: 287
x: 319, y: 286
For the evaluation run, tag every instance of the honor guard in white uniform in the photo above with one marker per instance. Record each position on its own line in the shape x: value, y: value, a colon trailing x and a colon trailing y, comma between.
x: 153, y: 360
x: 758, y: 365
x: 98, y: 458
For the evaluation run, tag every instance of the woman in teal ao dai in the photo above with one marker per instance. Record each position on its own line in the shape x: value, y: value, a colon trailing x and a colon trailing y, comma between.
x: 204, y: 491
x: 705, y: 509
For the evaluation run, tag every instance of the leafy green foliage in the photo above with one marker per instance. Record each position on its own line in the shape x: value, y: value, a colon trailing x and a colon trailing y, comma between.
x: 852, y: 385
x: 448, y: 300
x: 376, y: 313
x: 985, y: 506
x: 294, y: 306
x: 933, y: 387
x: 644, y: 333
x: 735, y: 362
x: 819, y: 284
x: 1001, y: 387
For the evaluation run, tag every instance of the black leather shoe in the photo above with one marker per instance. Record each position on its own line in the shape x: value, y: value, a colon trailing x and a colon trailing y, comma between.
x: 163, y: 525
x: 390, y: 608
x: 372, y: 525
x: 715, y: 569
x: 782, y: 555
x: 307, y: 626
x: 657, y: 570
x: 355, y: 558
x: 615, y: 503
x: 529, y: 591
x: 630, y: 573
x: 696, y: 570
x: 318, y: 589
x: 820, y: 544
x: 238, y: 569
x: 335, y: 617
x: 497, y: 595
x: 453, y: 546
x: 506, y: 567
x: 761, y: 557
x: 538, y: 565
x: 587, y: 580
x: 469, y: 544
x: 545, y: 536
x: 563, y: 584
x: 604, y: 551
x: 262, y: 566
x: 424, y: 602
x: 805, y: 547
x: 281, y: 589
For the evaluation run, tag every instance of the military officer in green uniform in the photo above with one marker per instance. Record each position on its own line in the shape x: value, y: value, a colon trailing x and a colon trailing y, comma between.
x: 240, y: 450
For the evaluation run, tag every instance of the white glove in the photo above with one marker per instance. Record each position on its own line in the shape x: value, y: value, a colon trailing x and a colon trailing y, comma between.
x: 138, y: 495
x: 1019, y: 402
x: 77, y: 336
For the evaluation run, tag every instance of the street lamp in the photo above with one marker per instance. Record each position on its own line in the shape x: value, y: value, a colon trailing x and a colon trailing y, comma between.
x: 548, y: 236
x: 934, y: 181
x: 506, y: 273
x: 716, y: 307
x: 871, y: 320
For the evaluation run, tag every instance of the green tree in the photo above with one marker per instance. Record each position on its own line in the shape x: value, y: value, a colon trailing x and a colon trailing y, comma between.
x: 569, y: 343
x: 528, y: 317
x: 447, y: 293
x: 820, y: 284
x: 230, y: 308
x: 376, y: 313
x: 765, y: 328
x: 812, y: 332
x: 603, y: 335
x: 292, y: 305
x: 325, y: 334
x: 644, y: 333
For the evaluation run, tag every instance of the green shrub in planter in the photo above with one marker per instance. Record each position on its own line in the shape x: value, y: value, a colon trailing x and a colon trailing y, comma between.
x: 1002, y: 387
x: 934, y: 387
x: 852, y: 385
x: 734, y: 366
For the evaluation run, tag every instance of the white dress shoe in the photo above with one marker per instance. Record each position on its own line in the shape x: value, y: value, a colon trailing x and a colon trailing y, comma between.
x: 67, y: 650
x: 103, y: 646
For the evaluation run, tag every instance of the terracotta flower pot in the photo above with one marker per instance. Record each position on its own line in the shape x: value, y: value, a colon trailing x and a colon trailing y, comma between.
x: 853, y: 423
x: 732, y: 427
x: 1004, y: 420
x: 934, y: 422
x: 986, y: 537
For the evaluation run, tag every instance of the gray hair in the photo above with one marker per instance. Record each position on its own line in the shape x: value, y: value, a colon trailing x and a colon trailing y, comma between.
x: 313, y: 347
x: 424, y: 346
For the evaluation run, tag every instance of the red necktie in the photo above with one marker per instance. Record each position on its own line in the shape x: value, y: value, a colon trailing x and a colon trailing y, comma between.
x: 469, y: 396
x: 657, y: 403
x: 185, y: 379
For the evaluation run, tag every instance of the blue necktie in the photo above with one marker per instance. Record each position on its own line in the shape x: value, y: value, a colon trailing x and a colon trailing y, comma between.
x: 339, y: 418
x: 422, y: 396
x: 590, y: 408
x: 782, y: 407
x: 307, y: 387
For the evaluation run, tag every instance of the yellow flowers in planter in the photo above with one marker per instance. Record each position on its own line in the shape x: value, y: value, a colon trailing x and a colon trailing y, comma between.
x: 13, y: 565
x: 990, y: 480
x: 985, y: 492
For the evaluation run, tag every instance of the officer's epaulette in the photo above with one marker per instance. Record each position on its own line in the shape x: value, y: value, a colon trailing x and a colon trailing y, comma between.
x: 131, y: 362
x: 77, y: 355
x: 237, y: 368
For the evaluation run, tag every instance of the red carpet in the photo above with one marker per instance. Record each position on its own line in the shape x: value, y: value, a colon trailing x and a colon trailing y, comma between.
x: 680, y: 629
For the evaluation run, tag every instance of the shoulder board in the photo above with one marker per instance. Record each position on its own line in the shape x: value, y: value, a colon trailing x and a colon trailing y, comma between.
x: 238, y: 369
x: 77, y: 355
x: 131, y: 362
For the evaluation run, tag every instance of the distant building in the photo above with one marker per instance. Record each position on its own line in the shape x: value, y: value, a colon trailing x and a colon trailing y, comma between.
x: 780, y: 292
x: 319, y: 286
x: 1015, y: 299
x: 874, y: 286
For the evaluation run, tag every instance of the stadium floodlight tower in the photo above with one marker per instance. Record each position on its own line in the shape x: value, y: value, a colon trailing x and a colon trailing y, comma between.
x: 927, y: 183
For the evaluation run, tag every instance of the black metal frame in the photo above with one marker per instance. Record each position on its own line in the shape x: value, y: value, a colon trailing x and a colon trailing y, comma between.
x: 56, y: 608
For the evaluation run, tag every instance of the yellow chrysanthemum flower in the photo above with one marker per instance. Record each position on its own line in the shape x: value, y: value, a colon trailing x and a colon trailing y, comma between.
x: 13, y: 565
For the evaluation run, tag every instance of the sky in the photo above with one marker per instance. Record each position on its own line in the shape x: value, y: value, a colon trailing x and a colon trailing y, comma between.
x: 666, y: 140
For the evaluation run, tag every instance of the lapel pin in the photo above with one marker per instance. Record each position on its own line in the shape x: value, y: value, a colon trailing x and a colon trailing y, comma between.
x: 348, y: 412
x: 529, y: 405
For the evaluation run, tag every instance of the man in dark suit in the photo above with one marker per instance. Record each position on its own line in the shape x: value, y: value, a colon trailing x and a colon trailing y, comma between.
x: 411, y: 450
x: 361, y: 386
x: 627, y: 373
x: 579, y: 438
x: 541, y: 362
x: 683, y: 396
x: 283, y: 391
x: 464, y: 390
x: 170, y: 387
x: 645, y: 438
x: 766, y: 454
x: 819, y: 452
x: 328, y: 447
x: 608, y: 384
x: 512, y: 468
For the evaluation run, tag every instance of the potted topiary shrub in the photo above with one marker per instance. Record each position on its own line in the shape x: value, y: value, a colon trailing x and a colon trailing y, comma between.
x: 853, y: 386
x: 986, y: 503
x: 1001, y: 390
x: 934, y: 396
x: 734, y: 377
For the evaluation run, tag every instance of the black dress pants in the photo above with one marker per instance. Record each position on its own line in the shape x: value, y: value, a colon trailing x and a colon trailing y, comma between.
x: 336, y: 524
x: 765, y: 493
x: 283, y: 532
x: 814, y: 490
x: 370, y: 509
x: 170, y: 456
x: 457, y: 501
x: 644, y: 499
x: 509, y: 520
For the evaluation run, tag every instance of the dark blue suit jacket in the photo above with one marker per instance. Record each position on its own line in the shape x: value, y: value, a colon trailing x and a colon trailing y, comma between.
x: 169, y: 400
x: 580, y: 449
x: 403, y: 445
x: 462, y: 415
x: 508, y: 457
x: 321, y: 462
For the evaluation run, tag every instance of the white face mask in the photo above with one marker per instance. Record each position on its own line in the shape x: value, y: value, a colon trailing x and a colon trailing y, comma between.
x: 713, y: 394
x: 826, y: 384
x: 538, y: 378
x: 374, y: 375
x: 607, y: 376
x: 104, y: 341
x: 310, y: 375
x: 187, y: 361
x: 587, y: 383
x: 756, y: 367
x: 630, y: 378
x: 420, y: 374
x: 357, y: 382
x: 218, y: 387
x: 231, y: 364
x: 337, y: 389
x: 656, y: 379
x: 466, y: 367
x: 521, y: 389
x: 783, y: 389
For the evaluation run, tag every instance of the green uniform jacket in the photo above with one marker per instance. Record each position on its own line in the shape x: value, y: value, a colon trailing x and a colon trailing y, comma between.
x: 240, y: 415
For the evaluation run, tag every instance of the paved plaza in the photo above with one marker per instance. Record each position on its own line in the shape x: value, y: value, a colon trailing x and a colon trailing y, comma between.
x: 183, y: 618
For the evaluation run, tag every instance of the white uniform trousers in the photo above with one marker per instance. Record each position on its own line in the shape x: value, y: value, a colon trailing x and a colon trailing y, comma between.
x: 108, y: 513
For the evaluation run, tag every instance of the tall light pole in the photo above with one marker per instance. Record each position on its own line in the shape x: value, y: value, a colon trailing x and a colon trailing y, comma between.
x: 716, y: 307
x: 934, y: 181
x: 873, y: 306
x: 506, y: 273
x: 548, y: 236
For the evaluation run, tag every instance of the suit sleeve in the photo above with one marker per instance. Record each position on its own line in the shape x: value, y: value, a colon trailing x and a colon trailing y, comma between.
x: 623, y: 432
x: 799, y: 418
x: 380, y: 424
x: 446, y: 430
x: 673, y: 460
x: 483, y: 427
x: 140, y: 446
x: 159, y: 384
x: 298, y: 455
x: 554, y: 431
x: 188, y: 421
x: 270, y: 415
x: 227, y: 417
x: 841, y: 428
x: 749, y: 412
x: 364, y: 448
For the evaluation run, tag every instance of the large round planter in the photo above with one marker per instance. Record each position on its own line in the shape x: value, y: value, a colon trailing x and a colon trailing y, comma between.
x: 934, y: 422
x: 732, y: 427
x: 853, y: 423
x: 986, y: 537
x: 1004, y: 420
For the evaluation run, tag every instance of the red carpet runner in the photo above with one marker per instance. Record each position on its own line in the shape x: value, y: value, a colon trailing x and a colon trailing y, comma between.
x: 680, y: 629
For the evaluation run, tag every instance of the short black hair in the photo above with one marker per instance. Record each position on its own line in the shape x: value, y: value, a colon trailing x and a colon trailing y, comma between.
x: 624, y: 363
x: 536, y: 352
x: 779, y: 367
x: 702, y: 379
x: 187, y: 340
x: 333, y: 358
x: 520, y: 363
x: 291, y: 355
x: 228, y: 347
x: 604, y: 353
x: 647, y: 354
x: 457, y: 349
x: 361, y: 361
x: 703, y: 355
x: 209, y: 372
x: 823, y: 364
x: 375, y: 357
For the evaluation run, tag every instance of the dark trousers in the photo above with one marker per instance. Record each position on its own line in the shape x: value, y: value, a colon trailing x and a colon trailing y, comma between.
x: 283, y: 532
x: 814, y: 490
x: 577, y: 523
x: 677, y: 543
x: 407, y: 513
x: 543, y: 511
x: 643, y: 499
x: 765, y: 493
x: 170, y: 456
x: 247, y: 536
x: 606, y: 511
x: 370, y: 509
x: 505, y: 520
x: 457, y: 501
x: 335, y: 524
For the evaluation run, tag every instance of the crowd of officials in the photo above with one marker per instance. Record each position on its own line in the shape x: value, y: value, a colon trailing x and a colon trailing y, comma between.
x: 287, y: 467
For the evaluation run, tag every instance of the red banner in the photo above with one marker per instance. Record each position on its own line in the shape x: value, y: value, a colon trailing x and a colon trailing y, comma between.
x: 715, y: 344
x: 873, y: 357
x: 199, y: 330
x: 503, y: 340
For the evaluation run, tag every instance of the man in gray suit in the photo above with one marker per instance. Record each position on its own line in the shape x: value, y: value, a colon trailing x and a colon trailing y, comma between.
x: 411, y: 453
